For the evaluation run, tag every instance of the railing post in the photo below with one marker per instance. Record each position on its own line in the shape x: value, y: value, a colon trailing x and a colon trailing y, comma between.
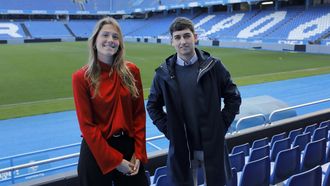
x: 12, y: 171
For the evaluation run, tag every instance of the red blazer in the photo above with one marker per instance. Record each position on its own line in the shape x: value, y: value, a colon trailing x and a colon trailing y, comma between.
x: 112, y: 110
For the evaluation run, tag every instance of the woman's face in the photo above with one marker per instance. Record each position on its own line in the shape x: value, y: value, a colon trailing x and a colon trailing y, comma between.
x: 107, y: 41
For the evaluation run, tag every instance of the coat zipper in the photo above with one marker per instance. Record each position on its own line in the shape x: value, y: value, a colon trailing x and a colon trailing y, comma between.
x: 201, y: 71
x: 189, y: 156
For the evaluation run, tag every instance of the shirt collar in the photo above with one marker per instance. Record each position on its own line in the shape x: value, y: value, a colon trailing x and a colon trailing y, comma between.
x: 181, y: 62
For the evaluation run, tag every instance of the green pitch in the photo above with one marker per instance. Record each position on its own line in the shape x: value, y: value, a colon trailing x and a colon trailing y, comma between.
x: 36, y: 78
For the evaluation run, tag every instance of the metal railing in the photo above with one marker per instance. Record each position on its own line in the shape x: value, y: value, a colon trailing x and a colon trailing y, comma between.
x: 41, y: 151
x: 249, y: 117
x: 294, y: 107
x: 9, y: 171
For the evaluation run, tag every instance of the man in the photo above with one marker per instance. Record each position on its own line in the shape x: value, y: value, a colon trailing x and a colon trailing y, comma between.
x: 191, y: 84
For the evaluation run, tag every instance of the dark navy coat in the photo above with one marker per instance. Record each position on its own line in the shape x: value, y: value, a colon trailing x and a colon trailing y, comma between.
x: 215, y: 83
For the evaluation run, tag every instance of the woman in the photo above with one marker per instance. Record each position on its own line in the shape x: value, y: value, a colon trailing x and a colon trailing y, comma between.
x: 108, y: 96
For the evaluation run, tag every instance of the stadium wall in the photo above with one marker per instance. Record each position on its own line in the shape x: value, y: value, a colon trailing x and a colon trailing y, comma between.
x: 317, y: 49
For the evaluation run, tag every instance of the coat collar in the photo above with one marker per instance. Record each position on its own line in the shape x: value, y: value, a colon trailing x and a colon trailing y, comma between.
x: 169, y: 65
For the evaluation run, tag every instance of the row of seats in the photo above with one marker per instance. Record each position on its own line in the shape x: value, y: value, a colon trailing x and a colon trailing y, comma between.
x: 282, y: 157
x: 268, y: 25
x: 301, y: 158
x: 88, y: 5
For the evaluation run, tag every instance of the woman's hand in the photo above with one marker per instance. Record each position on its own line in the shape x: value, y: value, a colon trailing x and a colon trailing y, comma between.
x: 125, y: 167
x: 136, y: 165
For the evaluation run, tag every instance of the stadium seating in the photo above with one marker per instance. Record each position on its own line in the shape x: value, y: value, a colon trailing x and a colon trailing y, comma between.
x: 310, y: 128
x: 260, y: 143
x: 297, y: 23
x: 11, y: 30
x: 327, y: 158
x: 242, y: 148
x: 148, y: 177
x: 288, y: 24
x: 160, y: 171
x: 82, y: 28
x: 301, y: 141
x: 47, y: 29
x: 279, y: 146
x: 326, y: 174
x: 290, y: 158
x: 248, y: 175
x: 237, y: 160
x: 288, y: 166
x: 162, y: 181
x: 32, y: 5
x: 313, y: 155
x: 233, y: 180
x: 319, y: 133
x: 259, y: 153
x: 307, y: 178
x: 325, y: 123
x: 294, y: 133
x: 276, y: 138
x: 287, y: 163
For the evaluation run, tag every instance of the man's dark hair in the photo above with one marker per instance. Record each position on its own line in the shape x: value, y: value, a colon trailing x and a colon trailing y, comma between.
x: 181, y: 23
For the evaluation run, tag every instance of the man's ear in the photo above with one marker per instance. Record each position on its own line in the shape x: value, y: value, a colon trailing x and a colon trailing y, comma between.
x: 171, y: 40
x: 195, y: 37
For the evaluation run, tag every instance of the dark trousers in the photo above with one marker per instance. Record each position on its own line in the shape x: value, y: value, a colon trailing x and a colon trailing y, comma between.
x: 89, y: 173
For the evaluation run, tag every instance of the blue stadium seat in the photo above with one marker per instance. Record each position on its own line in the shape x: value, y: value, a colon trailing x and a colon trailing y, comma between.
x: 294, y: 133
x: 159, y: 172
x: 326, y: 174
x: 302, y: 140
x: 310, y: 177
x: 277, y: 137
x: 244, y: 147
x: 148, y: 177
x: 162, y: 181
x: 314, y: 154
x: 320, y: 133
x: 259, y: 153
x: 310, y: 128
x: 327, y: 158
x: 278, y: 146
x: 325, y: 123
x: 287, y: 163
x: 233, y: 180
x: 260, y: 143
x: 248, y: 176
x: 237, y: 161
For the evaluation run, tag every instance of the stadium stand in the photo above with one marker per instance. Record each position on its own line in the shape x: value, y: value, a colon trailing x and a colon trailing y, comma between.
x: 81, y: 28
x: 287, y: 163
x: 287, y: 28
x: 47, y: 29
x: 258, y: 153
x: 309, y: 177
x: 30, y: 5
x: 237, y: 160
x: 262, y: 166
x: 297, y: 28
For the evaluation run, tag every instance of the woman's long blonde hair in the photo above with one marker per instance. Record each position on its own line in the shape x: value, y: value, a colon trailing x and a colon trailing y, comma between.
x: 93, y: 69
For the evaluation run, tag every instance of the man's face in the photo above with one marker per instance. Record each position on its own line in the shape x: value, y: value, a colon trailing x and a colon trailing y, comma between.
x: 184, y: 43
